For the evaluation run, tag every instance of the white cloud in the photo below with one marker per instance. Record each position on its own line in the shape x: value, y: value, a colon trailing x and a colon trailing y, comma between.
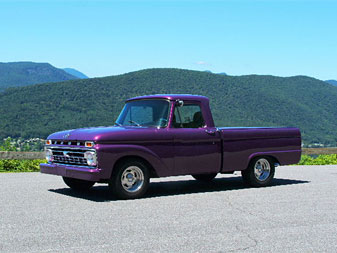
x: 201, y: 63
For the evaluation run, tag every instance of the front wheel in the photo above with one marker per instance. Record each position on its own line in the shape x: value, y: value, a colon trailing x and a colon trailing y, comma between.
x: 260, y: 172
x: 205, y: 177
x: 130, y: 179
x: 78, y: 184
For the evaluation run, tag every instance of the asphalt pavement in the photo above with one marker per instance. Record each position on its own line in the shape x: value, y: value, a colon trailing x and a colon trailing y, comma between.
x: 298, y: 213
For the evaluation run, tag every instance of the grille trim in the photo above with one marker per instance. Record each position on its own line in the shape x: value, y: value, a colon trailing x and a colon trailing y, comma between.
x: 70, y: 156
x: 68, y: 142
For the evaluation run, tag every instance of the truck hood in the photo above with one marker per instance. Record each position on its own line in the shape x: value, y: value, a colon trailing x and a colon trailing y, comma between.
x: 101, y: 134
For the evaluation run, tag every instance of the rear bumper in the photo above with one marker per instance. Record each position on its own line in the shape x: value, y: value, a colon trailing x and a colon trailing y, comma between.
x: 89, y: 174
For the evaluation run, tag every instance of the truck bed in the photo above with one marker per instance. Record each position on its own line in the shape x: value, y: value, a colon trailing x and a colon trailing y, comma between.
x: 240, y: 144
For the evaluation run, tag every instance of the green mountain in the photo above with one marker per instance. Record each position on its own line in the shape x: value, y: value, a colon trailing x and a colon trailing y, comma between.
x: 300, y: 101
x: 333, y: 82
x: 13, y: 74
x: 75, y: 72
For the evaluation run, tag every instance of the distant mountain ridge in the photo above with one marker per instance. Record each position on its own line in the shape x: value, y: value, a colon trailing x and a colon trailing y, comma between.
x: 75, y: 72
x: 333, y: 82
x: 221, y: 73
x: 253, y: 100
x: 16, y: 74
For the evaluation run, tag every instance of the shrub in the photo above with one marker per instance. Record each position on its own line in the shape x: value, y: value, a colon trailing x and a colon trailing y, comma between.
x: 319, y: 160
x: 20, y: 165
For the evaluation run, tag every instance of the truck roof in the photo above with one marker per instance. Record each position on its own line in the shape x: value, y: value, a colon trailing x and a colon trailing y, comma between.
x: 171, y: 97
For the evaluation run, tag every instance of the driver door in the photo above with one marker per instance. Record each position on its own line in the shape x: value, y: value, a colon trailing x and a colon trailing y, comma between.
x: 197, y: 148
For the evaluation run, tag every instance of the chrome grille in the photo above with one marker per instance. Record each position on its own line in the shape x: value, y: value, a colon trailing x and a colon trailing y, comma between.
x: 69, y: 156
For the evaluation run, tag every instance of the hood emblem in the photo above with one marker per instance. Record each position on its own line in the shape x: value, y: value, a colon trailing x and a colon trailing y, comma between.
x: 66, y: 136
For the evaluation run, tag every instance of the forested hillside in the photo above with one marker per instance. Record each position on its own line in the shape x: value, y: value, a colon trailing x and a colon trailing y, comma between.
x: 14, y: 74
x: 300, y: 101
x: 333, y: 82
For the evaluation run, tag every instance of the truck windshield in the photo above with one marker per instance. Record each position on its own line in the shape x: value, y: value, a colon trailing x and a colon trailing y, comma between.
x: 152, y: 112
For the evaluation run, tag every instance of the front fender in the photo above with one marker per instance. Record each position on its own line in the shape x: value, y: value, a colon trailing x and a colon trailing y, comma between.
x: 109, y: 154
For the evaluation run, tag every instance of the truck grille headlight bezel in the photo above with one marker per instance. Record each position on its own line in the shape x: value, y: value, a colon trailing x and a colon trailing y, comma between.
x: 49, y: 155
x: 90, y: 156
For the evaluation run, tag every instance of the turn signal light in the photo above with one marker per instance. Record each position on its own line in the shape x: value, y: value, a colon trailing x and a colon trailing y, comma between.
x: 89, y: 144
x: 48, y: 142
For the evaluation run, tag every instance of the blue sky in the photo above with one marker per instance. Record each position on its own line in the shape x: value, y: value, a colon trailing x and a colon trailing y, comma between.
x: 239, y: 37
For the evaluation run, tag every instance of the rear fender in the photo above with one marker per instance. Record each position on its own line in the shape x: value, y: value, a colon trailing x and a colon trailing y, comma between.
x: 284, y: 157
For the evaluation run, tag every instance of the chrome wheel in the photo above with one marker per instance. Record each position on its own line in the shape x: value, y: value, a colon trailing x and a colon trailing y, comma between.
x: 132, y: 179
x: 262, y: 169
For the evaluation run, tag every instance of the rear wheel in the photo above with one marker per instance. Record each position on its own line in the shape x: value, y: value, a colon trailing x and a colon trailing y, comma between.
x: 78, y: 184
x: 130, y: 179
x: 205, y: 177
x: 260, y: 172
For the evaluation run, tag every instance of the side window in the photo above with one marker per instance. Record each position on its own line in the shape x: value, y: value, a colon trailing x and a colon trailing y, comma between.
x: 188, y: 116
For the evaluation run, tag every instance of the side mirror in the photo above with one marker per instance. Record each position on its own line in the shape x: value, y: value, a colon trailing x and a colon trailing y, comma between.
x: 179, y: 103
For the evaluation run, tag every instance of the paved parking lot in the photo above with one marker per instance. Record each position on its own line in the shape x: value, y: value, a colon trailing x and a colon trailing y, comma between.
x: 297, y: 214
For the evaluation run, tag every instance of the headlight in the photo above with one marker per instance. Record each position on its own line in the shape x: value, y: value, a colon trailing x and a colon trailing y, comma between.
x: 49, y: 155
x: 91, y: 158
x: 48, y: 142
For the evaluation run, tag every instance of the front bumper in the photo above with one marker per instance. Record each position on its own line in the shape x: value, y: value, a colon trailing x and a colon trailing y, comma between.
x: 89, y: 174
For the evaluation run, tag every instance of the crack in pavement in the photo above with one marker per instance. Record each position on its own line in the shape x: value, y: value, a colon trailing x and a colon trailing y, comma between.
x: 237, y: 227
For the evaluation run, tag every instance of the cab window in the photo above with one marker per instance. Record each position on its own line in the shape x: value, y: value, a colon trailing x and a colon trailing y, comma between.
x: 188, y: 116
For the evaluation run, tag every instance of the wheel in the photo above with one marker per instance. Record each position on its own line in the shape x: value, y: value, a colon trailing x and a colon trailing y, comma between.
x: 78, y: 184
x: 205, y: 177
x: 130, y: 179
x: 260, y: 172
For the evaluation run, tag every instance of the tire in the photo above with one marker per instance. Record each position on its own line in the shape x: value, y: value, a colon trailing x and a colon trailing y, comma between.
x: 260, y: 172
x: 205, y: 177
x: 78, y: 184
x: 130, y: 179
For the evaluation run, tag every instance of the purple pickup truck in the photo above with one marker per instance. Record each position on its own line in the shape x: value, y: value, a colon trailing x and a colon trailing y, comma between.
x: 167, y: 135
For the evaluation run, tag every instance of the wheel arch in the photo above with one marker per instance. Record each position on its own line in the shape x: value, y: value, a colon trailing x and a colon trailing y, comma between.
x: 110, y: 155
x: 273, y: 159
x: 122, y: 159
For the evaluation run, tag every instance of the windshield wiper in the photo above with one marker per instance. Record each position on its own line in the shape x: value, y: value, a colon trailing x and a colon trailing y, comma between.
x: 118, y: 124
x: 134, y: 122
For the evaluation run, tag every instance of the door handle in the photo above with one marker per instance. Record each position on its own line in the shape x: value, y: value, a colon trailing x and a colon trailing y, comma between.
x: 210, y: 132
